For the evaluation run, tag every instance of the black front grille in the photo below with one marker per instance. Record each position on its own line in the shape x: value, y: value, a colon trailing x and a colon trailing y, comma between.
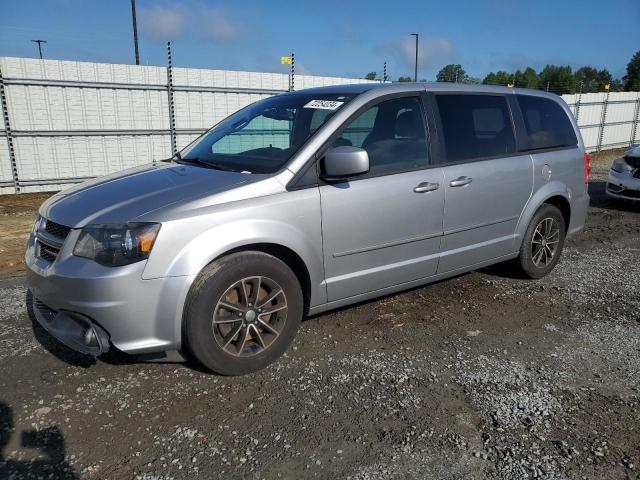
x: 633, y: 161
x: 630, y: 193
x: 47, y: 252
x: 44, y: 310
x: 57, y: 230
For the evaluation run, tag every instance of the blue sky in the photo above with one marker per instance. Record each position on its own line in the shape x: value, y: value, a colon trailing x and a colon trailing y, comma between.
x: 342, y: 38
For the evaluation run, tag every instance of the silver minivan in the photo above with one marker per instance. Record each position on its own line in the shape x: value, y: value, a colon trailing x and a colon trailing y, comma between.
x: 301, y: 203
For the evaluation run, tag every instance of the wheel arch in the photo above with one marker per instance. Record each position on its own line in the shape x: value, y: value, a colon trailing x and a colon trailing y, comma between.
x: 286, y: 255
x: 553, y: 193
x: 562, y: 204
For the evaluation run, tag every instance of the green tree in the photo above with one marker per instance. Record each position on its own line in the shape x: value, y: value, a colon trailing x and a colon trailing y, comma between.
x: 557, y: 79
x: 370, y: 76
x: 587, y: 79
x: 604, y: 78
x: 499, y: 78
x: 451, y: 73
x: 490, y: 79
x: 632, y: 78
x: 527, y: 79
x: 472, y: 80
x: 617, y: 85
x: 592, y: 80
x: 405, y: 79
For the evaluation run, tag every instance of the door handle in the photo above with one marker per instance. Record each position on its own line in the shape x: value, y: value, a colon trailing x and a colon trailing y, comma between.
x: 425, y: 187
x: 460, y: 181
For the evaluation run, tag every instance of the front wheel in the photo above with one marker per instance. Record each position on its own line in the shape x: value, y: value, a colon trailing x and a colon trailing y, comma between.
x: 543, y: 242
x: 243, y: 312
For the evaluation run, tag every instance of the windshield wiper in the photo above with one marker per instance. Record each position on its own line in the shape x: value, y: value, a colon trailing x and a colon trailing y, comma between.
x: 204, y: 163
x: 176, y: 156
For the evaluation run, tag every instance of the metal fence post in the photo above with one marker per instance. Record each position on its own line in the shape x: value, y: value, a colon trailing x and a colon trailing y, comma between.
x: 293, y: 72
x: 603, y: 118
x: 7, y: 129
x: 578, y: 105
x: 172, y: 117
x: 634, y: 128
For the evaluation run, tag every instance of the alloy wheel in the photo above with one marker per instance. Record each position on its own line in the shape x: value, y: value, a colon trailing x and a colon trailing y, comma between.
x: 250, y: 316
x: 544, y: 242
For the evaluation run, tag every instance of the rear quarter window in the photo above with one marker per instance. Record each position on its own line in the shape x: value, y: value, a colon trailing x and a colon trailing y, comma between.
x: 546, y: 123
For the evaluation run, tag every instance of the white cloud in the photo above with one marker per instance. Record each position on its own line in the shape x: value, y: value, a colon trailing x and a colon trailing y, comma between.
x: 211, y: 24
x: 433, y: 53
x: 217, y: 26
x: 302, y: 70
x: 163, y: 23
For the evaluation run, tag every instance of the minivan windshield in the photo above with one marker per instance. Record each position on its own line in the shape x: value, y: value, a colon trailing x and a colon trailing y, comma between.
x: 262, y: 137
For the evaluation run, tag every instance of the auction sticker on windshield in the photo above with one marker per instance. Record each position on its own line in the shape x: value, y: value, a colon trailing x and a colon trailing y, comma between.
x: 323, y: 104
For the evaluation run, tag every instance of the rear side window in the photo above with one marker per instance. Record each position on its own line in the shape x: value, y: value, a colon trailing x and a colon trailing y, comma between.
x: 475, y: 126
x: 546, y: 123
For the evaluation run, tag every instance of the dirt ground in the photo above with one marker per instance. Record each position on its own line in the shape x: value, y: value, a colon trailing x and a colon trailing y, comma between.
x: 480, y: 376
x: 17, y: 214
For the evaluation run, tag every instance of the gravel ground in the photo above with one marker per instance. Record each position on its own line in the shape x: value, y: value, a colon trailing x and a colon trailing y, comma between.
x: 481, y: 376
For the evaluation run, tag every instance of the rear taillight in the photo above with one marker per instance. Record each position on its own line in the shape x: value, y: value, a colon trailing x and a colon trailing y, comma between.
x: 587, y: 167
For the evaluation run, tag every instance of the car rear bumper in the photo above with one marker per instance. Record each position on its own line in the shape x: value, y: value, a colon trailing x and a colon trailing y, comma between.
x: 89, y: 307
x: 579, y: 209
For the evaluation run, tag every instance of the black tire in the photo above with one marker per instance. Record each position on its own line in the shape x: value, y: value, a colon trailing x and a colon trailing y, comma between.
x: 529, y: 252
x: 203, y: 336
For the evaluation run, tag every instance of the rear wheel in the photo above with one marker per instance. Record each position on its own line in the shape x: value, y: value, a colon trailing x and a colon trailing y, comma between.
x: 243, y: 312
x: 543, y: 242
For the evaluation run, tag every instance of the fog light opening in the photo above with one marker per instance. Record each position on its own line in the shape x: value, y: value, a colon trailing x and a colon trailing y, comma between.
x: 90, y: 338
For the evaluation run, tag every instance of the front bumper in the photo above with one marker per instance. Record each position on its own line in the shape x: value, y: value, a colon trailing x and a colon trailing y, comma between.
x: 75, y: 298
x: 623, y: 186
x: 72, y: 329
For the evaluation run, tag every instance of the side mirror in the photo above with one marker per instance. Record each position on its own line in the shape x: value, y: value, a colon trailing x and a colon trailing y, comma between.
x: 341, y: 162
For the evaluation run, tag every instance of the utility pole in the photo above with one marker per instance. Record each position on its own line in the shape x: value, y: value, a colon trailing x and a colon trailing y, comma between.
x: 415, y: 76
x: 135, y: 30
x: 39, y: 42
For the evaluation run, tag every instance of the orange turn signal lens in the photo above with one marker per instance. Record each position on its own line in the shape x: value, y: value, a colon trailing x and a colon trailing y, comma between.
x: 146, y: 240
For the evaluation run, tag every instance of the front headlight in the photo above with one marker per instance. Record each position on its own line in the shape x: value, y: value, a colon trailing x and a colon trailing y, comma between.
x: 620, y: 166
x: 117, y: 245
x: 36, y: 224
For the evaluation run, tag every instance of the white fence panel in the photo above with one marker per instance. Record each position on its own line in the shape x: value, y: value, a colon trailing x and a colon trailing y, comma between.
x: 620, y: 112
x: 202, y: 110
x: 618, y: 136
x: 605, y: 120
x: 74, y: 120
x: 590, y: 137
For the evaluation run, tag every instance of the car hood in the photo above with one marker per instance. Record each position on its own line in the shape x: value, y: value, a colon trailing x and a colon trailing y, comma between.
x: 124, y: 196
x: 634, y: 151
x: 632, y: 156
